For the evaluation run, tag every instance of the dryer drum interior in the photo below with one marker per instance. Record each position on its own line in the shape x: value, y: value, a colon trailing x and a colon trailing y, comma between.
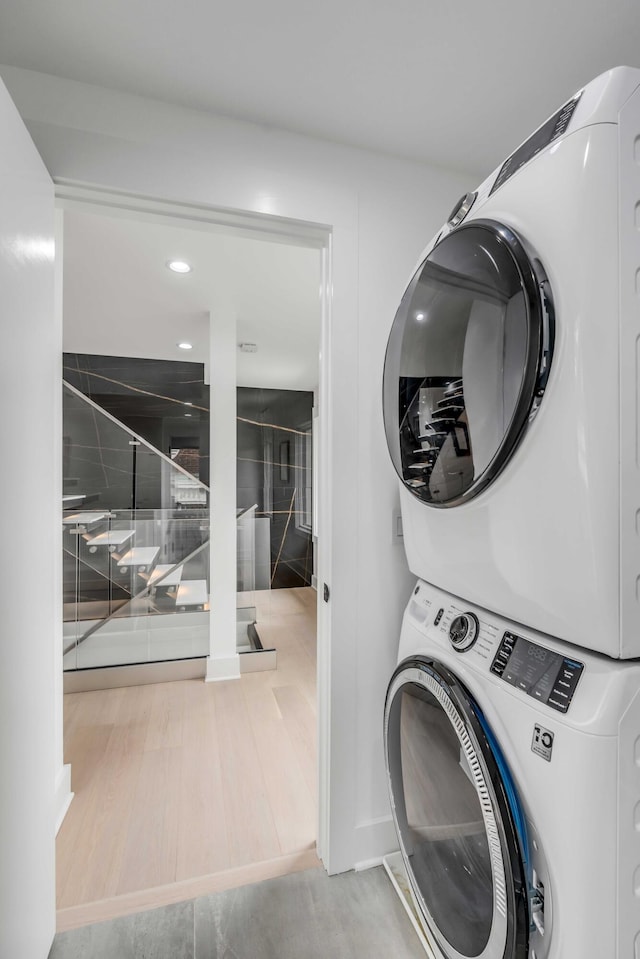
x: 457, y: 829
x: 467, y: 362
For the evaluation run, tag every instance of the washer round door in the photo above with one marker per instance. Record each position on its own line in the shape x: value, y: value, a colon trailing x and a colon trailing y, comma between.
x: 467, y: 362
x: 454, y: 820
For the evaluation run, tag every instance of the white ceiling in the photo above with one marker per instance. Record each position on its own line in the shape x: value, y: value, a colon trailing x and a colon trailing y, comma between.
x: 455, y: 83
x: 119, y: 298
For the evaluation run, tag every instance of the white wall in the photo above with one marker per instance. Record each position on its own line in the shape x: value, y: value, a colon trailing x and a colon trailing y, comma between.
x: 381, y: 212
x: 30, y: 500
x: 63, y: 794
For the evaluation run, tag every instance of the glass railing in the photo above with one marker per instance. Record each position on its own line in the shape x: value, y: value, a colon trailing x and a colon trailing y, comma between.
x: 249, y: 571
x: 136, y: 586
x: 274, y: 551
x: 135, y: 546
x: 136, y: 550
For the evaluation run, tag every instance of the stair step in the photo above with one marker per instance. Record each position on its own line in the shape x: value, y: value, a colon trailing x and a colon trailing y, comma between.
x: 111, y: 537
x: 192, y: 592
x: 82, y: 519
x: 173, y: 579
x: 142, y: 556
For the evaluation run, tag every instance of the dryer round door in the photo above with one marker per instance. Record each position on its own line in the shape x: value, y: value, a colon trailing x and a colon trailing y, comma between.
x: 467, y: 362
x: 450, y: 802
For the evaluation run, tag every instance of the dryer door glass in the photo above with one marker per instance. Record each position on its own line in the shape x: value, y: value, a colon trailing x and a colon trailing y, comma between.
x: 463, y: 864
x: 466, y: 363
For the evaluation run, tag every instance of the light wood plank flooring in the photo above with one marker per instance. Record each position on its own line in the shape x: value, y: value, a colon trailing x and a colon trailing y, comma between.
x: 178, y: 781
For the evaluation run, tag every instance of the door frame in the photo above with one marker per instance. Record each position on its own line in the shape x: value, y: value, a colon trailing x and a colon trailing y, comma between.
x: 74, y: 195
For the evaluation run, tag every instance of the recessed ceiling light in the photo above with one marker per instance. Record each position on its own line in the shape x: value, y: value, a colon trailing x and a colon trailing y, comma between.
x: 179, y: 266
x: 187, y: 414
x: 420, y: 316
x: 185, y: 346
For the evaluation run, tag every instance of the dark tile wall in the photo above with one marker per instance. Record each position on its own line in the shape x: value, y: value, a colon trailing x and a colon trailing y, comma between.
x: 274, y: 472
x: 165, y: 402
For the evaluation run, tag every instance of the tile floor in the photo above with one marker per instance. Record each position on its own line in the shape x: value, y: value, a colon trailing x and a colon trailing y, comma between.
x: 304, y: 916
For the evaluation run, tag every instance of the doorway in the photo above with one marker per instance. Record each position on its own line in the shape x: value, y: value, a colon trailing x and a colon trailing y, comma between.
x: 152, y: 722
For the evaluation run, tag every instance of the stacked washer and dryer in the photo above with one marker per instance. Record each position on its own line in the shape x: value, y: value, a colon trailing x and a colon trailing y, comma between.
x: 512, y: 413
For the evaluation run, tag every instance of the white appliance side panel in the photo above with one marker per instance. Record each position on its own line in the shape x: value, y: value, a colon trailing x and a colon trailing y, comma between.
x: 629, y: 832
x: 541, y: 544
x: 629, y: 153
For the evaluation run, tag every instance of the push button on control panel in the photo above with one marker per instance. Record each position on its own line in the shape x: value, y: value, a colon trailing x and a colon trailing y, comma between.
x: 504, y: 652
x: 565, y: 684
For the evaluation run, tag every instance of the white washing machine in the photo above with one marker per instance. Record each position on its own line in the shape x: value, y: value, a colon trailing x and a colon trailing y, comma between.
x: 512, y: 380
x: 514, y: 771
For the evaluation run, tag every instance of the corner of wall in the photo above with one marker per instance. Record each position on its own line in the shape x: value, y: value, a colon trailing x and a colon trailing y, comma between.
x: 374, y: 839
x: 63, y: 794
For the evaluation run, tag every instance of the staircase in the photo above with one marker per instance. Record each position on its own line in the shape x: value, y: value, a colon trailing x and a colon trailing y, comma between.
x: 136, y: 564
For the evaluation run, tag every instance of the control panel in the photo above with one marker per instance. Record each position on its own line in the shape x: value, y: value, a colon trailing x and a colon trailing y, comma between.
x: 555, y: 127
x: 542, y: 673
x: 466, y: 632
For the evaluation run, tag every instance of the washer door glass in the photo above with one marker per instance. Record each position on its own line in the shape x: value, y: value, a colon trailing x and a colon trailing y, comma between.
x: 458, y: 840
x: 468, y: 355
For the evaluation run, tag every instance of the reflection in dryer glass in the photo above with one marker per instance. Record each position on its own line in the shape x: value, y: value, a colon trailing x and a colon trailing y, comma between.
x: 456, y: 365
x: 442, y: 826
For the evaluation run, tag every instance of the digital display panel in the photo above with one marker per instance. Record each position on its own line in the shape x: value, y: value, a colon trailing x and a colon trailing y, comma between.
x: 548, y: 132
x: 532, y: 668
x: 542, y: 673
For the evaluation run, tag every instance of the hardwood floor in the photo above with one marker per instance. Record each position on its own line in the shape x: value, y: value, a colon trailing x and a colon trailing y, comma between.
x: 192, y: 781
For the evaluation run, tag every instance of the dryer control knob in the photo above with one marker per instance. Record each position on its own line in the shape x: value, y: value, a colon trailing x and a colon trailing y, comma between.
x: 461, y: 209
x: 463, y: 631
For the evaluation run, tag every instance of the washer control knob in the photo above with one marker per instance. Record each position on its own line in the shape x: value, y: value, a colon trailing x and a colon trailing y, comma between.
x: 461, y: 209
x: 463, y: 631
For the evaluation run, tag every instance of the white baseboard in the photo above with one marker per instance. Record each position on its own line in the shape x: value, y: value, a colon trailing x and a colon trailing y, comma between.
x: 221, y: 669
x: 374, y: 840
x: 368, y: 863
x: 63, y: 795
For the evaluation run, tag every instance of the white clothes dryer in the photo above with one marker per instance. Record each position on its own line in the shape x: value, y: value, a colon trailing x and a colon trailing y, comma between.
x: 513, y: 763
x: 512, y: 378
